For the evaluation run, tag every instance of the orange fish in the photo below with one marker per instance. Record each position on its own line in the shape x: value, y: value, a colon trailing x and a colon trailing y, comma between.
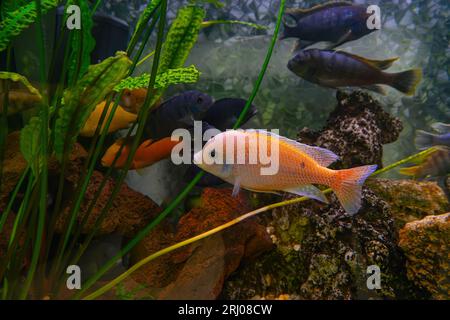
x: 121, y: 119
x: 133, y: 100
x: 299, y: 166
x: 148, y: 153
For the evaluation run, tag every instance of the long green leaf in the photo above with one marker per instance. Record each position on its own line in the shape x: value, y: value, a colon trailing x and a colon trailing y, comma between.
x: 20, y: 19
x: 82, y: 44
x: 181, y: 38
x: 30, y: 143
x: 19, y: 78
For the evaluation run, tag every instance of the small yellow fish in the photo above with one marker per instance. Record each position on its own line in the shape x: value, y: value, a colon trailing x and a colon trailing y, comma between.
x: 299, y: 166
x: 121, y: 119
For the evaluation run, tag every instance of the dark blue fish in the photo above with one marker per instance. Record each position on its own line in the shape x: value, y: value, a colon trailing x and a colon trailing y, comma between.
x: 177, y: 112
x: 224, y: 113
x: 425, y: 140
x: 334, y: 22
x: 337, y: 69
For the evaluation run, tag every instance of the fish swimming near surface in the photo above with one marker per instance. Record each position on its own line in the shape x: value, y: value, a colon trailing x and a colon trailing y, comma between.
x: 337, y: 69
x: 425, y: 140
x: 333, y: 22
x: 434, y: 164
x: 177, y: 112
x: 148, y: 153
x: 121, y: 120
x: 224, y: 113
x: 300, y: 166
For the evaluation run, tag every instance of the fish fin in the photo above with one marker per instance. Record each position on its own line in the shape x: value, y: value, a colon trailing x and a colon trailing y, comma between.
x: 407, y: 81
x: 342, y: 40
x: 379, y: 64
x: 375, y: 88
x: 236, y: 186
x: 409, y: 171
x: 322, y: 156
x: 226, y: 169
x: 299, y: 12
x: 441, y: 127
x: 309, y: 191
x: 424, y: 140
x: 348, y: 186
x: 300, y: 45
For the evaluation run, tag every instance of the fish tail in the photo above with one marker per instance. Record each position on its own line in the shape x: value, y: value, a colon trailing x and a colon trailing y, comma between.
x: 348, y: 186
x: 407, y: 81
x: 424, y: 140
x: 410, y: 171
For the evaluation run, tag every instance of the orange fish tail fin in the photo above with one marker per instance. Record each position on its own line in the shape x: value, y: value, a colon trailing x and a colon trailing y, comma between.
x: 348, y: 186
x: 407, y: 81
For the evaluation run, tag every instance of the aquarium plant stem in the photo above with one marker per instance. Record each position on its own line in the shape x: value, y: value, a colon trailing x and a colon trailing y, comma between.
x: 227, y: 225
x: 43, y: 160
x: 4, y: 118
x: 93, y: 155
x: 194, y: 181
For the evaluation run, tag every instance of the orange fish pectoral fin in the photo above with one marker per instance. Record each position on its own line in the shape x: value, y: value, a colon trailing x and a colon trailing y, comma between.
x: 348, y: 186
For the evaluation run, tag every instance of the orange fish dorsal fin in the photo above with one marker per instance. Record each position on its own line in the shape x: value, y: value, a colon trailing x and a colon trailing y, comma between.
x: 323, y: 157
x: 379, y: 64
x: 299, y: 12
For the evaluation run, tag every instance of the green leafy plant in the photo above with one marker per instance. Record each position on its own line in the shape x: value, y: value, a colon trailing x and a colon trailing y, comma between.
x: 14, y: 22
x: 80, y: 100
x: 163, y: 80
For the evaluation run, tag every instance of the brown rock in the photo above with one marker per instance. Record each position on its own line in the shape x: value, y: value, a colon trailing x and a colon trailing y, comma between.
x: 356, y: 130
x: 426, y: 244
x: 129, y: 212
x: 410, y: 200
x: 199, y: 270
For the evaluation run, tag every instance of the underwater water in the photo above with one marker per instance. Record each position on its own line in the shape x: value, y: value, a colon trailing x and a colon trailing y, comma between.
x: 95, y: 202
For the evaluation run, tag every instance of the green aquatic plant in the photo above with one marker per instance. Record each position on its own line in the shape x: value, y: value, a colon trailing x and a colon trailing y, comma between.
x: 14, y: 22
x: 82, y: 43
x: 19, y: 78
x: 181, y: 37
x: 163, y: 80
x: 30, y: 141
x: 80, y: 100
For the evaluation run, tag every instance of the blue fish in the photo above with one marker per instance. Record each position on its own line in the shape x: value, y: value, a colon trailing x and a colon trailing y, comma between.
x: 425, y: 140
x: 333, y: 22
x: 177, y: 112
x: 224, y: 113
